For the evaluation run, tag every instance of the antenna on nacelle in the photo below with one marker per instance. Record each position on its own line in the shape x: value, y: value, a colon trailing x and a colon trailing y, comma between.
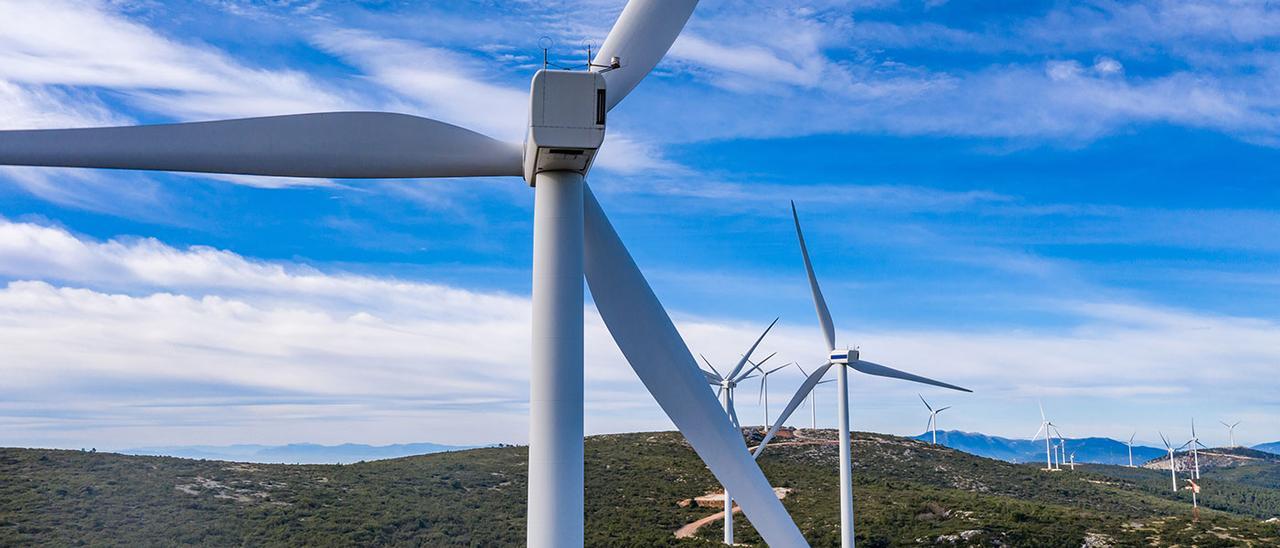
x: 545, y: 43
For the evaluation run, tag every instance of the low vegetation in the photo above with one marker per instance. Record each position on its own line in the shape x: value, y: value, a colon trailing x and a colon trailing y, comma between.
x: 906, y: 492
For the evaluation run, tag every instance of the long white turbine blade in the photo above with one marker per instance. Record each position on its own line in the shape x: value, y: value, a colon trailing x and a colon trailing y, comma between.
x: 803, y: 392
x: 1041, y: 406
x: 942, y: 409
x: 733, y: 414
x: 760, y: 397
x: 882, y: 371
x: 351, y: 145
x: 711, y: 377
x: 1037, y: 436
x: 713, y: 368
x: 652, y: 345
x: 639, y: 39
x: 926, y: 404
x: 777, y: 369
x: 819, y: 303
x: 742, y: 362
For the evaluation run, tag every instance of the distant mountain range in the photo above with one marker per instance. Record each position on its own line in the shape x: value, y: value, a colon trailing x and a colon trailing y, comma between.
x: 1273, y: 447
x: 296, y: 453
x: 1087, y: 450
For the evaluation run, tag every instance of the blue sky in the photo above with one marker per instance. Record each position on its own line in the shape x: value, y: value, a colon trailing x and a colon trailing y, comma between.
x: 1072, y: 202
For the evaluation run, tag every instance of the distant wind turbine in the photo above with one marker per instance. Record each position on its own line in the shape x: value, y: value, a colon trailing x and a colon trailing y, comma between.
x: 813, y: 399
x: 845, y: 359
x: 726, y: 384
x: 1045, y: 425
x: 1131, y: 449
x: 1194, y: 444
x: 764, y: 390
x: 1231, y: 432
x: 1173, y: 465
x: 933, y: 418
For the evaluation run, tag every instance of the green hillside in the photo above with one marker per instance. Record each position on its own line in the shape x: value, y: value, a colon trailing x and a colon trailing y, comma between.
x: 906, y: 493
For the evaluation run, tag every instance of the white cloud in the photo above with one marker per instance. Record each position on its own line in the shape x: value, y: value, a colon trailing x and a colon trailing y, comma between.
x: 155, y: 344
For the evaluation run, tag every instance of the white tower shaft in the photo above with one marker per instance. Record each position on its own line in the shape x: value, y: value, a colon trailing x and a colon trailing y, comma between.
x: 555, y: 504
x: 728, y: 500
x: 846, y: 471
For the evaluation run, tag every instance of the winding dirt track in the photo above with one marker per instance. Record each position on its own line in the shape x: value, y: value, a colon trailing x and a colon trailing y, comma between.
x: 691, y: 529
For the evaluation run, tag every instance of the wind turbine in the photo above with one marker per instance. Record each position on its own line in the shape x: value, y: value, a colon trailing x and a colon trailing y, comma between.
x: 1045, y: 427
x: 933, y: 418
x: 725, y: 386
x: 1173, y: 465
x: 847, y: 358
x: 1130, y: 444
x: 1062, y: 447
x: 764, y: 389
x: 1231, y: 432
x: 813, y: 399
x: 1073, y: 461
x: 572, y: 237
x: 1194, y: 444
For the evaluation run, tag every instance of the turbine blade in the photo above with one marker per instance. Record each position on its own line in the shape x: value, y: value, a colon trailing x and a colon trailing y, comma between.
x: 819, y: 303
x: 1041, y: 406
x: 803, y: 392
x: 742, y: 362
x: 640, y: 38
x: 778, y: 368
x: 942, y: 409
x: 760, y: 397
x: 733, y: 413
x: 355, y: 145
x: 882, y: 371
x: 926, y: 404
x: 644, y: 333
x: 711, y: 377
x: 713, y: 368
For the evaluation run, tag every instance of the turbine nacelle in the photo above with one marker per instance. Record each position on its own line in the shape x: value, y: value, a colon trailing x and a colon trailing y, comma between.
x: 844, y: 357
x: 566, y: 122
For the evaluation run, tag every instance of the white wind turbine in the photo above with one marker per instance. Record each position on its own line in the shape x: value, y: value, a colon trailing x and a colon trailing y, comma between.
x: 813, y: 398
x: 725, y: 387
x: 847, y: 358
x: 933, y: 418
x: 1130, y: 444
x: 1045, y: 428
x: 763, y: 398
x: 1231, y: 432
x: 572, y: 237
x: 1195, y: 445
x: 1173, y: 464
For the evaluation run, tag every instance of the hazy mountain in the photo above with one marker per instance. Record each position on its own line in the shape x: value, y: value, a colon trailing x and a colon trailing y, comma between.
x: 1087, y: 450
x: 1273, y: 447
x: 295, y: 453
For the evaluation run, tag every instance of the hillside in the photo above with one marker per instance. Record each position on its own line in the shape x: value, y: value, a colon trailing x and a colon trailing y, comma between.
x: 295, y: 453
x: 1088, y: 450
x: 906, y: 491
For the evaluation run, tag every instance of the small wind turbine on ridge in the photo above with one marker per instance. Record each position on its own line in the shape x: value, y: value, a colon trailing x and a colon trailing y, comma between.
x: 1231, y: 432
x: 933, y: 418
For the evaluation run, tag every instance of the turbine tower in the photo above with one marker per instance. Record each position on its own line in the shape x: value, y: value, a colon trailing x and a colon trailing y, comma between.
x: 1130, y: 444
x: 1231, y: 432
x: 1045, y: 427
x: 933, y: 418
x: 846, y: 358
x: 1173, y: 465
x: 572, y: 238
x: 725, y: 387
